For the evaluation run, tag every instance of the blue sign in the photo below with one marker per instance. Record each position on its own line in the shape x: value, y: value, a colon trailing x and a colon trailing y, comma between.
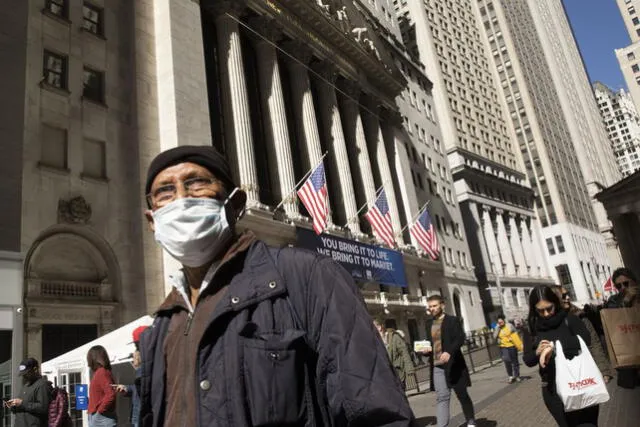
x: 366, y: 263
x: 82, y: 397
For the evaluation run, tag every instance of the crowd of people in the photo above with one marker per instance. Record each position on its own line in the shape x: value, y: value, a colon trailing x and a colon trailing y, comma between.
x: 253, y: 335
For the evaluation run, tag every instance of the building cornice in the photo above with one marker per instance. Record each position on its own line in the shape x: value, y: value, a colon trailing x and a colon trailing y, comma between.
x: 332, y: 40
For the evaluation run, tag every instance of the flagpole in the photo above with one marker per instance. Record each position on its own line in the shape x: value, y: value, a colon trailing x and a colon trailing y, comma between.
x: 365, y: 205
x: 306, y: 175
x: 414, y: 218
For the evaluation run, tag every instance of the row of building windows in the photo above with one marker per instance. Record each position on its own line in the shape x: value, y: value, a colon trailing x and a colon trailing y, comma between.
x: 55, y: 150
x: 55, y: 73
x: 92, y: 15
x: 459, y: 260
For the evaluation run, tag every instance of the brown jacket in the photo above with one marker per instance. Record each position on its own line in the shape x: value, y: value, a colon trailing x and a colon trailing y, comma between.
x: 185, y: 332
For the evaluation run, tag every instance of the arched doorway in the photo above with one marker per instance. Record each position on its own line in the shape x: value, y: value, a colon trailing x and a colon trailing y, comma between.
x: 460, y: 309
x: 72, y: 284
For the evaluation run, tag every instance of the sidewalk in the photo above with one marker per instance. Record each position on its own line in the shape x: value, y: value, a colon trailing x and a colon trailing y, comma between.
x: 491, y: 394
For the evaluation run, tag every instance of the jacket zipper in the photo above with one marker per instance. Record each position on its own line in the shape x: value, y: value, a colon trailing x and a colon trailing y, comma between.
x: 189, y: 321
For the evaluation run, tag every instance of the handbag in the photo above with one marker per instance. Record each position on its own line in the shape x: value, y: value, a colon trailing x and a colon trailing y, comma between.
x: 579, y: 382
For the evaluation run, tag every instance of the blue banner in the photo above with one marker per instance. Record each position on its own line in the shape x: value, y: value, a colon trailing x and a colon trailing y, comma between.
x: 365, y: 263
x: 82, y: 397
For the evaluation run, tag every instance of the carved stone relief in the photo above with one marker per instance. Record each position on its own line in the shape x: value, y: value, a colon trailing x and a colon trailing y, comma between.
x: 74, y: 211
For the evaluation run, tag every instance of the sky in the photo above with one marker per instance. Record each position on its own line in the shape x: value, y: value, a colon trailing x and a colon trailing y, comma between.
x: 599, y: 30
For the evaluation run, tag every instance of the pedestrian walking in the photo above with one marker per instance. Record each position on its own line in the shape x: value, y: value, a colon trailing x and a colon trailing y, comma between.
x: 595, y: 348
x: 626, y: 284
x: 510, y: 344
x: 253, y: 335
x: 133, y: 390
x: 447, y: 365
x: 102, y: 394
x: 548, y: 323
x: 31, y: 409
x: 397, y: 350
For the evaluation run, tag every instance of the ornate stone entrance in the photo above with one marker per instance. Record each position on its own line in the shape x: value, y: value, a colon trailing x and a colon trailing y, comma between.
x: 71, y: 279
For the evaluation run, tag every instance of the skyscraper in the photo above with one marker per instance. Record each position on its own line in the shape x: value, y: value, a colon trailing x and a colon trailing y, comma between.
x: 566, y: 151
x: 623, y: 125
x: 629, y: 56
x: 492, y: 189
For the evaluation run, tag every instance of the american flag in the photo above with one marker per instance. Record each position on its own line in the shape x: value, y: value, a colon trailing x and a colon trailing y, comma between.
x: 380, y: 219
x: 425, y: 234
x: 313, y: 195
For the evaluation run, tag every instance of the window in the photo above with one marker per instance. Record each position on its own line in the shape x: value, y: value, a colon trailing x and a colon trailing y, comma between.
x: 635, y: 68
x: 57, y: 7
x: 94, y: 164
x: 53, y: 147
x: 550, y: 247
x: 560, y: 244
x: 92, y: 19
x: 564, y: 276
x: 55, y: 70
x: 471, y: 298
x: 93, y: 85
x: 635, y: 20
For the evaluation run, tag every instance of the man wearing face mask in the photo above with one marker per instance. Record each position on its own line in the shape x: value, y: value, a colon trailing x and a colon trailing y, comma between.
x: 252, y: 335
x: 32, y: 407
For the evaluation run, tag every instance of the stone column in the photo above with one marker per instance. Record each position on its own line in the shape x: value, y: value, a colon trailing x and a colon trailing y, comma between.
x: 405, y: 184
x: 516, y: 245
x: 505, y: 247
x: 332, y: 122
x: 492, y: 243
x: 275, y: 120
x: 304, y: 111
x: 475, y: 210
x: 353, y: 122
x: 382, y: 161
x: 530, y: 256
x: 539, y: 249
x: 237, y: 119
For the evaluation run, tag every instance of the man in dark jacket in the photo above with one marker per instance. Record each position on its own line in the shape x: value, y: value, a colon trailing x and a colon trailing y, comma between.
x: 627, y: 286
x: 31, y: 409
x: 253, y: 335
x: 448, y: 367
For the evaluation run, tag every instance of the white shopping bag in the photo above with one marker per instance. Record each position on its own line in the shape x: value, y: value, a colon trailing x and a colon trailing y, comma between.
x: 579, y: 382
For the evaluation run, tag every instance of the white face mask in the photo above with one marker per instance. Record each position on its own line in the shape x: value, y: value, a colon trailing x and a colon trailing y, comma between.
x: 191, y: 230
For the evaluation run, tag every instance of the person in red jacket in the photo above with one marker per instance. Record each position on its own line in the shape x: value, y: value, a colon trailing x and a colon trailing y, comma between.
x: 102, y: 395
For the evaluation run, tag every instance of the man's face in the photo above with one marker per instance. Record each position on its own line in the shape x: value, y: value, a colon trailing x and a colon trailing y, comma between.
x: 436, y: 308
x: 169, y: 185
x: 501, y: 322
x: 624, y: 283
x: 30, y: 375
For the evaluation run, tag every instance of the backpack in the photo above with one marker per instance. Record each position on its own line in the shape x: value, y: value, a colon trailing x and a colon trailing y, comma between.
x: 58, y: 408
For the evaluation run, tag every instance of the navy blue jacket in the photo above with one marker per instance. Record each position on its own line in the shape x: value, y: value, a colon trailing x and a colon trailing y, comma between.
x: 289, y: 344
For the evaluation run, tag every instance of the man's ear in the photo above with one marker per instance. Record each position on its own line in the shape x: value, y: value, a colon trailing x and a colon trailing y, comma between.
x: 149, y: 215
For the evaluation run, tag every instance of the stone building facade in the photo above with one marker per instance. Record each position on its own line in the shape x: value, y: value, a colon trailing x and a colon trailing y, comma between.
x: 566, y: 155
x: 623, y: 126
x: 105, y: 86
x: 492, y: 190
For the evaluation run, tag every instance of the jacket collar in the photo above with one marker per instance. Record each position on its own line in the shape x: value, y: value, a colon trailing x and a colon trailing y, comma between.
x: 253, y: 273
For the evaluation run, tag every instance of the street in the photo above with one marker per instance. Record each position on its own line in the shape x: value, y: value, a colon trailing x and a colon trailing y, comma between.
x: 498, y: 403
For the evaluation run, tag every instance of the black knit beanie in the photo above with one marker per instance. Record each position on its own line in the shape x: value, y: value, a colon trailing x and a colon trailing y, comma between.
x: 205, y: 156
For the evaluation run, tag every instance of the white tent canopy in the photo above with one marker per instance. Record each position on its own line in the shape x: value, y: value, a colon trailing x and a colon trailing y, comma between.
x: 118, y: 343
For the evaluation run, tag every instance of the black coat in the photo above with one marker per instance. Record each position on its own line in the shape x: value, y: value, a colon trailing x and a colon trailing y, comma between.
x: 452, y: 336
x: 289, y: 344
x: 34, y: 410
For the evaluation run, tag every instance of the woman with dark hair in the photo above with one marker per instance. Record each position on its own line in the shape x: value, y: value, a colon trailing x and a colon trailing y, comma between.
x: 102, y: 396
x: 548, y: 323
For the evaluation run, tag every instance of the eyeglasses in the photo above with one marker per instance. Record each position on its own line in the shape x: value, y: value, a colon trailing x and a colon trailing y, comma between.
x: 549, y: 309
x: 566, y: 295
x: 200, y: 186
